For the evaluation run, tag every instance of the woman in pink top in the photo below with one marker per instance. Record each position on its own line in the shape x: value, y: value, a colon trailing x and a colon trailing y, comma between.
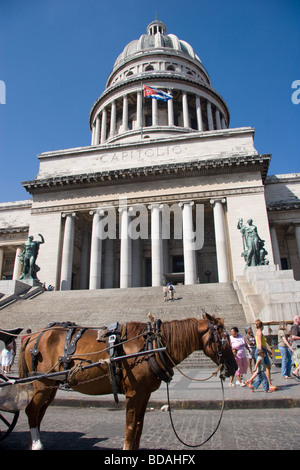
x: 238, y: 345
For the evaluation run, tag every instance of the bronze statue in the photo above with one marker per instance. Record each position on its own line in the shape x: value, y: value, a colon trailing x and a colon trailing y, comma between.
x: 254, y: 251
x: 28, y: 258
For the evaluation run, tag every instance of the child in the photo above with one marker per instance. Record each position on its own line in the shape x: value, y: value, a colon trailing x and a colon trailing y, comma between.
x: 231, y: 384
x: 259, y: 373
x: 6, y: 357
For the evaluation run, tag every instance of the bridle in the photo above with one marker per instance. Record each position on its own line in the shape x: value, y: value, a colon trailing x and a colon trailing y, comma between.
x: 215, y: 337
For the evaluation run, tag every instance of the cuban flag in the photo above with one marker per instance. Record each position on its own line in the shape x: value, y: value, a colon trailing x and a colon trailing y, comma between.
x: 157, y: 94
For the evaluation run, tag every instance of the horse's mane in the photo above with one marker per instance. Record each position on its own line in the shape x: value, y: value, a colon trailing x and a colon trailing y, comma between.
x: 181, y: 335
x: 178, y: 335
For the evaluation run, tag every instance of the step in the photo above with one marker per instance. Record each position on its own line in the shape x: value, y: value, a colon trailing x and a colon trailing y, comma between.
x: 92, y: 308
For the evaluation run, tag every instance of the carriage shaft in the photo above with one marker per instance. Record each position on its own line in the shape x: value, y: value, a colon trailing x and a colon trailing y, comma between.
x: 56, y: 375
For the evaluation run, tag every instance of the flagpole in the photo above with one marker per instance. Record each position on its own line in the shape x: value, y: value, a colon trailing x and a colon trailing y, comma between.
x: 142, y: 99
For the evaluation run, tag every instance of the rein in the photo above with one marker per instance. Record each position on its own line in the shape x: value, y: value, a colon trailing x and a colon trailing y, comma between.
x: 213, y: 338
x: 212, y: 434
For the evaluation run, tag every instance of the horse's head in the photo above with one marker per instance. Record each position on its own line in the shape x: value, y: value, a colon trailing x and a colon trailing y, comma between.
x: 216, y: 345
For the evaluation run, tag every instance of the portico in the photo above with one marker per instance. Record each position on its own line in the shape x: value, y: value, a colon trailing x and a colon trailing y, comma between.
x: 136, y: 250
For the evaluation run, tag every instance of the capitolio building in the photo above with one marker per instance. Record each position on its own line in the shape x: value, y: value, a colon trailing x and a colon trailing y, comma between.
x: 165, y: 192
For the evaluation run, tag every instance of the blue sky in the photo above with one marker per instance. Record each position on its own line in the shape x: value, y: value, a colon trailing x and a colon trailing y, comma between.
x: 55, y: 57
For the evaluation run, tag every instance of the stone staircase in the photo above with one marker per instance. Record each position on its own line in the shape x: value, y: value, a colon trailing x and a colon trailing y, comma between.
x: 102, y: 307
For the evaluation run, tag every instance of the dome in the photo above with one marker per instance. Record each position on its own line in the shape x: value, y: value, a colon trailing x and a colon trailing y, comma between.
x: 169, y: 65
x: 156, y: 38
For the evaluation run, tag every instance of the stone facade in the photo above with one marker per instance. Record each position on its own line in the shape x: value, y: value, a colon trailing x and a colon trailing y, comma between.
x: 165, y: 171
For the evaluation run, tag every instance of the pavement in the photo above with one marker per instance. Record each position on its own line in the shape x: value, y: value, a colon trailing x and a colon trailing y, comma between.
x: 186, y: 393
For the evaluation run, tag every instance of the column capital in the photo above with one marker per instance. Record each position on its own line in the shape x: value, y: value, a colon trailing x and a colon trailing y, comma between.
x: 221, y: 200
x: 182, y: 203
x: 66, y: 214
x: 155, y: 205
x: 124, y: 208
x: 97, y: 212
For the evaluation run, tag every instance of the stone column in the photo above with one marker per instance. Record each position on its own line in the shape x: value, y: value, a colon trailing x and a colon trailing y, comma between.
x: 188, y: 246
x: 67, y: 252
x: 220, y: 237
x: 1, y: 261
x: 93, y: 134
x: 210, y: 117
x: 139, y: 117
x: 218, y: 119
x: 275, y: 246
x: 125, y: 114
x: 199, y: 114
x: 185, y: 110
x: 154, y: 112
x: 297, y: 233
x: 113, y: 116
x: 170, y: 112
x: 156, y: 245
x: 125, y: 249
x: 96, y: 252
x: 103, y: 126
x: 97, y: 131
x: 17, y: 265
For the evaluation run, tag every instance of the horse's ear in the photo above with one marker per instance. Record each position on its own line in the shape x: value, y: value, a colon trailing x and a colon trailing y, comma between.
x: 208, y: 317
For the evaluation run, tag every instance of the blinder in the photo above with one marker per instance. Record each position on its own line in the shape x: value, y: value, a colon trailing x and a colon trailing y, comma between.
x: 214, y: 337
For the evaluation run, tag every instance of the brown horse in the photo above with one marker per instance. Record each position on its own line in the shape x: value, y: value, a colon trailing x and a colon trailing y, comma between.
x: 137, y: 379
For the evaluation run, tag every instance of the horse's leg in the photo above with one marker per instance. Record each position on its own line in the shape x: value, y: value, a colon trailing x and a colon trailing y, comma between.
x: 35, y: 412
x: 140, y: 422
x: 48, y: 402
x: 135, y: 411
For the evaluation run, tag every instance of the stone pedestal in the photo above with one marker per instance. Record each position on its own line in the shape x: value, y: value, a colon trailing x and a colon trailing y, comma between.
x: 269, y: 294
x: 16, y: 287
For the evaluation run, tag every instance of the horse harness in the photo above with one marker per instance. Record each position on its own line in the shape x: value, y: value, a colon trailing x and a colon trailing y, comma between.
x: 157, y: 362
x: 69, y: 347
x: 113, y: 335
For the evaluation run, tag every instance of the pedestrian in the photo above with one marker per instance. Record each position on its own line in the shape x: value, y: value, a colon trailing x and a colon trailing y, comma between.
x: 261, y: 343
x: 13, y: 350
x: 231, y: 384
x: 238, y: 343
x: 6, y: 358
x: 250, y: 341
x: 165, y: 293
x: 285, y: 350
x: 295, y: 338
x: 259, y: 374
x: 171, y: 289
